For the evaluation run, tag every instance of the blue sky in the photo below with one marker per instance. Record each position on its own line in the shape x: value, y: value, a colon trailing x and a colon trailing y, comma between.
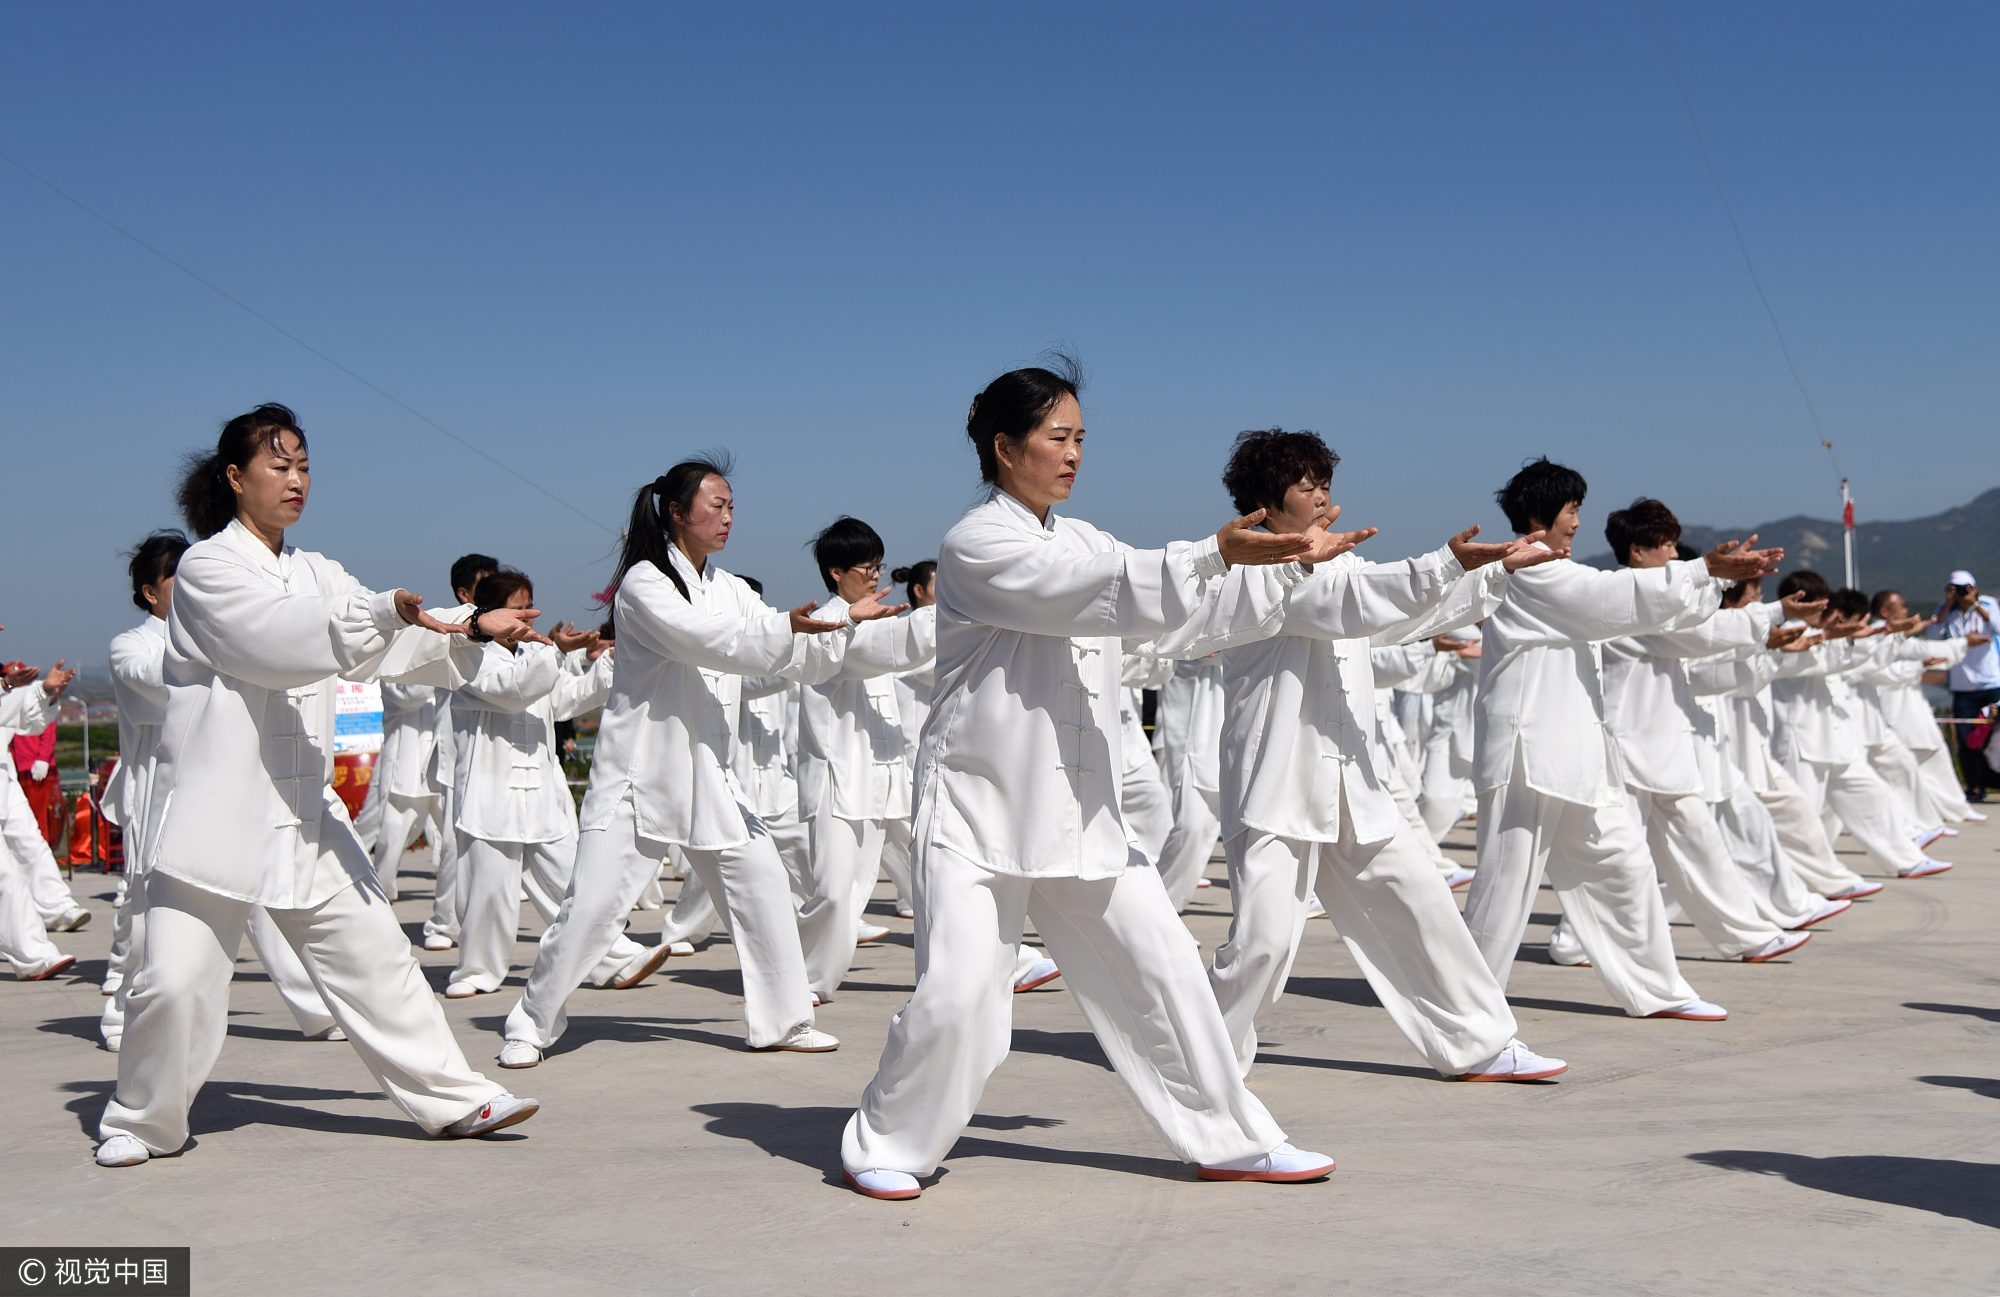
x: 592, y: 238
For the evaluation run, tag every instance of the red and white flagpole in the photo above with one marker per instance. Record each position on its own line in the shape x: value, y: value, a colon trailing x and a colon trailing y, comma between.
x: 1847, y: 531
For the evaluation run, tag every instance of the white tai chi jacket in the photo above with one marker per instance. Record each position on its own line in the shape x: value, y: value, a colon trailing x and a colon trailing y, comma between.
x: 1815, y: 716
x: 669, y: 735
x: 1300, y: 710
x: 1650, y: 707
x: 851, y: 742
x: 1541, y: 703
x: 243, y: 793
x: 509, y: 778
x: 765, y: 759
x: 1019, y: 767
x: 138, y: 683
x: 1904, y: 706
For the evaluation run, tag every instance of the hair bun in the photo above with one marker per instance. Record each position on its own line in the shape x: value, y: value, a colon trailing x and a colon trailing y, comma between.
x: 901, y: 575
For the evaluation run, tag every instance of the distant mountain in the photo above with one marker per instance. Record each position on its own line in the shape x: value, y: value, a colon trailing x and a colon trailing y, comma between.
x: 1913, y: 556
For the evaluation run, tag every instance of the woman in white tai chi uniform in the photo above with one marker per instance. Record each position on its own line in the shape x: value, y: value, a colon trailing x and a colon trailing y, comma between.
x: 660, y: 777
x: 243, y: 812
x: 516, y: 823
x: 1018, y: 814
x: 1305, y: 807
x: 853, y: 780
x: 27, y: 702
x: 138, y: 682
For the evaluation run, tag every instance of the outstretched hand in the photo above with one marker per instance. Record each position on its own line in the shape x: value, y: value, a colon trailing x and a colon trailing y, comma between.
x: 1806, y: 642
x: 804, y: 623
x: 1781, y: 636
x: 871, y: 608
x: 1741, y: 560
x: 1324, y: 543
x: 567, y: 638
x: 1799, y: 607
x: 20, y: 673
x: 58, y: 678
x: 1243, y: 545
x: 511, y: 627
x: 1514, y: 554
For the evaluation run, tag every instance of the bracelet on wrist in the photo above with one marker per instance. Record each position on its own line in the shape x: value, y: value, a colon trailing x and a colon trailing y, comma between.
x: 472, y: 631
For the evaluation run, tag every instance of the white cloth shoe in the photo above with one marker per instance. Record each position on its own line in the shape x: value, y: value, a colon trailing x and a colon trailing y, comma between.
x: 804, y: 1039
x: 437, y: 941
x: 1515, y: 1063
x: 498, y: 1113
x: 110, y: 1044
x: 1694, y: 1011
x: 43, y: 969
x: 1316, y: 909
x: 1782, y: 944
x: 519, y: 1053
x: 122, y: 1150
x: 71, y: 919
x: 1458, y: 878
x: 1827, y: 911
x: 680, y: 949
x: 461, y: 991
x: 869, y: 933
x: 1855, y: 892
x: 1923, y: 868
x: 1282, y: 1165
x: 905, y: 912
x: 890, y: 1186
x: 1042, y: 973
x: 1975, y: 817
x: 330, y: 1033
x: 644, y: 964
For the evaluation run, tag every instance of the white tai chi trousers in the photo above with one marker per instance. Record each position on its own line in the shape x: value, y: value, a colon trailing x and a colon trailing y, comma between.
x: 178, y: 1008
x: 1197, y: 827
x: 1897, y: 765
x: 1441, y: 796
x: 402, y: 819
x: 896, y: 862
x: 1596, y: 860
x: 1133, y: 968
x: 1941, y: 782
x: 846, y: 855
x: 612, y: 865
x: 447, y: 898
x: 47, y: 891
x: 1396, y: 778
x: 24, y: 942
x: 1397, y: 917
x: 1864, y: 805
x: 1149, y: 809
x: 1694, y: 863
x: 287, y: 971
x: 491, y: 875
x: 1782, y: 898
x: 1803, y: 838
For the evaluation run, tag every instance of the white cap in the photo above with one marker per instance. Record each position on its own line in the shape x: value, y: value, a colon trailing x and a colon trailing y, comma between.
x: 1962, y: 577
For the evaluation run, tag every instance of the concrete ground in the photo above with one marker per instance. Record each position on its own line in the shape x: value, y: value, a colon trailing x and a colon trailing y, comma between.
x: 1839, y: 1134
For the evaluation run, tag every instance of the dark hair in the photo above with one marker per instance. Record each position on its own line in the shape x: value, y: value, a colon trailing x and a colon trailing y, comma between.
x: 1847, y: 602
x: 496, y: 588
x: 465, y: 573
x: 206, y: 500
x: 923, y: 572
x: 1882, y: 597
x: 1805, y: 581
x: 649, y: 534
x: 153, y: 560
x: 1266, y: 462
x: 1735, y: 596
x: 1014, y: 405
x: 845, y: 542
x: 1642, y: 524
x: 753, y: 583
x: 1538, y: 493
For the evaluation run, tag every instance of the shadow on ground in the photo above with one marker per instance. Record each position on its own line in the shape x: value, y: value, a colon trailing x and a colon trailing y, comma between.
x: 810, y: 1137
x: 1966, y: 1190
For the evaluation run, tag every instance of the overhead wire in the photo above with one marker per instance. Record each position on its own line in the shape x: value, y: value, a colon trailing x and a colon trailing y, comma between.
x: 1742, y: 244
x: 227, y: 296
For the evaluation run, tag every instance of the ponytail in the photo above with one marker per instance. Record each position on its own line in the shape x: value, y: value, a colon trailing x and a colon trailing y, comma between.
x: 649, y: 533
x: 206, y: 499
